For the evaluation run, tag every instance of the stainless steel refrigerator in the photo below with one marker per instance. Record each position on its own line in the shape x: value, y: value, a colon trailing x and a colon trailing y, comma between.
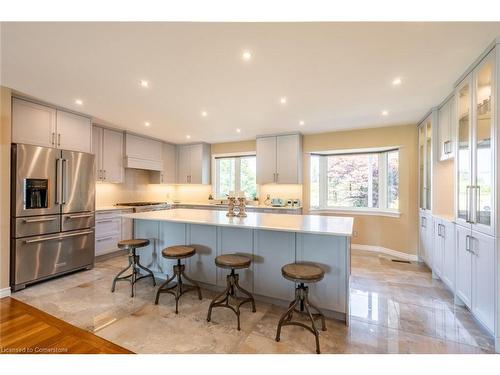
x: 52, y: 213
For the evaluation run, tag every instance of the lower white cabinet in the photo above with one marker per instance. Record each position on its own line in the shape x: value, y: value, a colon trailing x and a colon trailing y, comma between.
x: 110, y: 228
x: 426, y: 237
x: 475, y: 277
x: 443, y: 251
x: 464, y: 265
x: 483, y: 278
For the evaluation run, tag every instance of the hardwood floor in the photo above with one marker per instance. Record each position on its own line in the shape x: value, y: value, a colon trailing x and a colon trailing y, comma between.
x: 25, y: 329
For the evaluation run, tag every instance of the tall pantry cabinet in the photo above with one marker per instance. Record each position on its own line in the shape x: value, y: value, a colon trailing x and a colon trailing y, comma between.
x: 476, y: 183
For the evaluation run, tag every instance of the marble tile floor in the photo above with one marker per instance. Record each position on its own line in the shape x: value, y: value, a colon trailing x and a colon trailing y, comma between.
x: 395, y: 308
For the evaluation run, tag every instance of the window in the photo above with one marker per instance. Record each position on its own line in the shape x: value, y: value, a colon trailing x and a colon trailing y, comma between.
x: 235, y: 173
x: 364, y: 181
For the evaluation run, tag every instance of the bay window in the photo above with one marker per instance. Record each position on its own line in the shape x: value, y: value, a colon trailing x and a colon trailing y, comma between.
x: 364, y: 181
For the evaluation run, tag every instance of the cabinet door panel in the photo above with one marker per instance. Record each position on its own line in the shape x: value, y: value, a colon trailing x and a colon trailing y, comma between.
x: 463, y: 157
x: 464, y: 266
x: 330, y: 253
x: 483, y: 160
x: 483, y: 279
x: 143, y: 148
x: 438, y: 248
x: 238, y: 241
x: 201, y: 266
x: 73, y: 132
x: 272, y: 250
x: 184, y: 164
x: 288, y: 159
x: 169, y: 174
x: 266, y: 160
x: 33, y: 124
x: 448, y: 274
x: 196, y: 169
x: 112, y: 156
x: 97, y: 151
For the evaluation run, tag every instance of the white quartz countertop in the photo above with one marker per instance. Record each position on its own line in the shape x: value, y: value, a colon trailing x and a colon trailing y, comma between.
x: 314, y: 224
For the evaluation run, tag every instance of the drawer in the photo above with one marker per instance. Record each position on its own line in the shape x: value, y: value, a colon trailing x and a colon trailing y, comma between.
x: 80, y: 220
x: 105, y: 215
x: 106, y: 244
x: 36, y: 225
x: 108, y: 227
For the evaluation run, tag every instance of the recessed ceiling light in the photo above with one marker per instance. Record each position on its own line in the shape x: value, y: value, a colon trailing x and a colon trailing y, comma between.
x: 301, y: 123
x: 397, y: 81
x: 204, y: 114
x: 144, y: 83
x: 238, y: 130
x: 188, y: 136
x: 385, y: 113
x: 246, y: 55
x: 79, y: 101
x: 283, y: 100
x: 147, y: 124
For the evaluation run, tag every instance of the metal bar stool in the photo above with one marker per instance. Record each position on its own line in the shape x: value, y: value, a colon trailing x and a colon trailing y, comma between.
x: 232, y: 262
x: 133, y: 262
x: 179, y: 288
x: 302, y: 273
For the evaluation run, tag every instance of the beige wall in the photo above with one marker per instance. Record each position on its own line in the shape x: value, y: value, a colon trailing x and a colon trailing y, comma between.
x: 5, y: 132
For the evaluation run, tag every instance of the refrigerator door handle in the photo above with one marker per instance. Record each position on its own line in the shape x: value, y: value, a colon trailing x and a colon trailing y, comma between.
x: 61, y: 237
x: 64, y: 181
x: 58, y: 180
x: 39, y: 220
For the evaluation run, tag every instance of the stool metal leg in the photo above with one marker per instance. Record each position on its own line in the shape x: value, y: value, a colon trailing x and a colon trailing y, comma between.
x: 302, y: 300
x: 132, y: 278
x: 232, y: 284
x: 179, y: 288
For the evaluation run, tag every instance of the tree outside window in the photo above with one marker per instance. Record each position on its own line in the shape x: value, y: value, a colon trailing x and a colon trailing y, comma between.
x: 236, y: 173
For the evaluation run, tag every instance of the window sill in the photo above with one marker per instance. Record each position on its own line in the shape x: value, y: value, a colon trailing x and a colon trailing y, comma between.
x: 347, y: 211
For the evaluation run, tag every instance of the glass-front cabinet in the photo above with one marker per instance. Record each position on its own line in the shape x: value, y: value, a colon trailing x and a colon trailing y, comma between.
x: 425, y: 162
x: 475, y: 156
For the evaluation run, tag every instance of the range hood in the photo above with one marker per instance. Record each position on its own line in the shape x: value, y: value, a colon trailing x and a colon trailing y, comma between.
x: 138, y: 163
x: 143, y: 153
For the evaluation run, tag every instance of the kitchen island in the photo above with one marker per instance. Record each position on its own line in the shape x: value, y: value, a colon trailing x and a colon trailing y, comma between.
x: 271, y: 240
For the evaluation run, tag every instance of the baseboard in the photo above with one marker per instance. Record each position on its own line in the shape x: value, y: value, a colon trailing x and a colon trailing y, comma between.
x: 386, y: 251
x: 5, y: 292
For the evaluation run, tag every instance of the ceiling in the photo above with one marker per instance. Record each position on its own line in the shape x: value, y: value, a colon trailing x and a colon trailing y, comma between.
x: 335, y: 76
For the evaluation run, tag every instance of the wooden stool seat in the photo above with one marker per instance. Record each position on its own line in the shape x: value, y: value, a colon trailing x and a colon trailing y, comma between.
x: 134, y: 243
x: 178, y: 288
x: 232, y: 261
x: 178, y: 252
x: 302, y: 272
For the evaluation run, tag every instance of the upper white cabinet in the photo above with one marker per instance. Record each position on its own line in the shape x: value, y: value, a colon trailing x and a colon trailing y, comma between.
x: 73, y: 132
x: 143, y: 153
x: 425, y: 150
x: 279, y: 159
x: 107, y: 145
x: 168, y: 174
x: 446, y: 130
x: 193, y: 164
x: 33, y: 124
x: 41, y: 125
x: 475, y: 155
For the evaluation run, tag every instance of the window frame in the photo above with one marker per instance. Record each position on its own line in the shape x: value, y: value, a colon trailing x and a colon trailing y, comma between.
x: 215, y: 174
x: 383, y: 209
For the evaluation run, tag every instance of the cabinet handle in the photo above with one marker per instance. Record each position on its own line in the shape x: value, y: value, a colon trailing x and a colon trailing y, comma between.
x: 467, y: 243
x: 447, y: 147
x: 59, y: 140
x: 104, y: 171
x: 467, y: 203
x: 277, y: 177
x: 53, y: 138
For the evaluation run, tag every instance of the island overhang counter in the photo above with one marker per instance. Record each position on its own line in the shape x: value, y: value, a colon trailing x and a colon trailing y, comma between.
x: 270, y: 240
